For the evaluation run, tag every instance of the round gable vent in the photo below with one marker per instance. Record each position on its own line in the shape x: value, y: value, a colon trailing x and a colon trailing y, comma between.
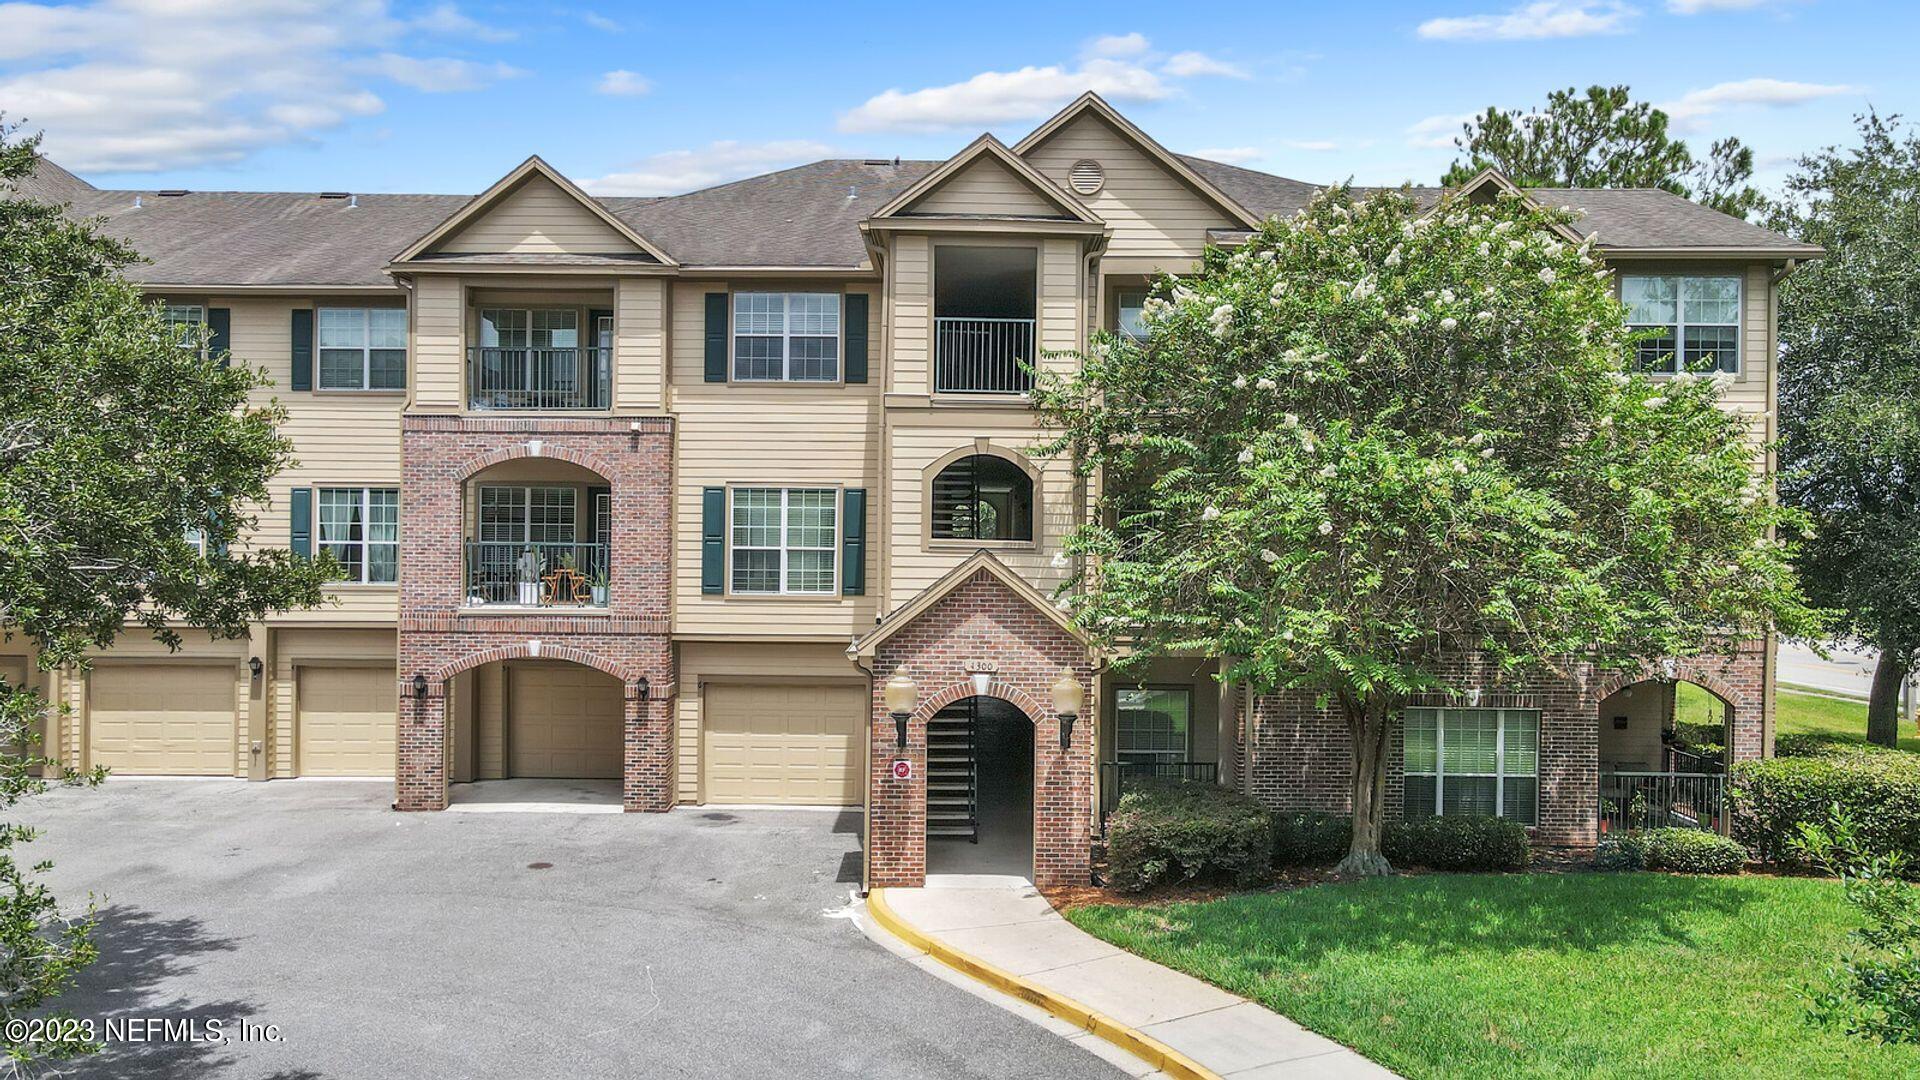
x: 1086, y: 176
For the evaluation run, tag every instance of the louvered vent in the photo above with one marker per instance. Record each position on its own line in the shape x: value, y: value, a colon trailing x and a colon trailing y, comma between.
x: 1086, y: 176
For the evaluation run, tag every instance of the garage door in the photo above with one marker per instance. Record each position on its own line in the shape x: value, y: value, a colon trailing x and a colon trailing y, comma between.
x: 791, y: 744
x: 347, y: 721
x: 563, y: 720
x: 162, y: 719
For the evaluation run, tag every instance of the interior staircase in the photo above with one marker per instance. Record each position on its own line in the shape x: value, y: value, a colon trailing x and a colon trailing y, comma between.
x: 953, y: 780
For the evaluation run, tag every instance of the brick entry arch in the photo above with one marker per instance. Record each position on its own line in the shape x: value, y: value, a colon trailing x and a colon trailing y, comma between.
x: 981, y: 623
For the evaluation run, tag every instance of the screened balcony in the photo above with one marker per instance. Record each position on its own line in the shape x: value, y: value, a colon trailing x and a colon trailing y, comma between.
x: 540, y: 358
x: 984, y: 299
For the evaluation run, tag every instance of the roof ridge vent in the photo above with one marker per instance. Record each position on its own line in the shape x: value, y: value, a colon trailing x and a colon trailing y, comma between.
x: 334, y: 194
x: 171, y: 193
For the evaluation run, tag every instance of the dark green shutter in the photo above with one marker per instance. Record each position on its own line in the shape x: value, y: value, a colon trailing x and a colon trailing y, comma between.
x: 713, y: 539
x: 856, y: 337
x: 716, y: 337
x: 853, y: 542
x: 303, y: 348
x: 300, y: 530
x: 220, y: 333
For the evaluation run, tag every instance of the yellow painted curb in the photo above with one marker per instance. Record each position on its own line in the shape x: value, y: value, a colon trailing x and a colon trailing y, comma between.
x: 1132, y: 1040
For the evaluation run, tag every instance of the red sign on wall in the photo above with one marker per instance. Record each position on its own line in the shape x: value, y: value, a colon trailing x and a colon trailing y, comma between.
x: 903, y: 769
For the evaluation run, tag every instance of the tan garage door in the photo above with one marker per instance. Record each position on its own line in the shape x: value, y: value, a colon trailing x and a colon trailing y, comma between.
x: 347, y: 721
x: 793, y: 743
x: 162, y: 719
x: 563, y: 720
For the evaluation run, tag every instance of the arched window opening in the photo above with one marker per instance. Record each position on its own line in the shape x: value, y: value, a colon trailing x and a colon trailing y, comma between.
x: 982, y: 497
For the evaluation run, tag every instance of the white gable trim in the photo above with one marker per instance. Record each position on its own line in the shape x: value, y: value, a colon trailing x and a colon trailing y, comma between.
x: 486, y: 200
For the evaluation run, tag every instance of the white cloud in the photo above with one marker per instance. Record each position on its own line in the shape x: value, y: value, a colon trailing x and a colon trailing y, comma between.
x: 440, y: 74
x: 1529, y: 22
x: 1115, y: 45
x: 676, y: 171
x: 601, y: 22
x: 1186, y: 65
x: 449, y: 20
x: 995, y: 97
x: 1695, y: 7
x: 1693, y: 106
x: 148, y: 85
x: 1436, y: 132
x: 623, y: 83
x: 1232, y: 155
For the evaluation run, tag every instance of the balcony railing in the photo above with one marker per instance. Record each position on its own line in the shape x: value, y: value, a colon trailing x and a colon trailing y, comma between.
x: 1654, y: 800
x: 982, y: 356
x: 536, y: 575
x: 1115, y: 774
x: 546, y: 379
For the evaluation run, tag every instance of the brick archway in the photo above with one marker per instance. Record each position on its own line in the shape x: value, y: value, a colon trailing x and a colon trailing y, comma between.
x: 980, y: 624
x: 525, y: 651
x: 514, y: 451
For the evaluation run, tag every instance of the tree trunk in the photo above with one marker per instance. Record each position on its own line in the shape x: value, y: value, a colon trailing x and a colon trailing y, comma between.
x: 1367, y: 724
x: 1883, y: 701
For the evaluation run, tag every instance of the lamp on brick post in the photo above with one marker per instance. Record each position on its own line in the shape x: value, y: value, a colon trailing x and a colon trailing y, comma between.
x: 901, y: 695
x: 1068, y: 695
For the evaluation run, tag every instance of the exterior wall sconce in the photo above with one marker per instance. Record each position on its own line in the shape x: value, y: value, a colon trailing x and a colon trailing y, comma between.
x: 1068, y: 696
x: 419, y: 686
x: 254, y: 665
x: 644, y: 689
x: 901, y: 695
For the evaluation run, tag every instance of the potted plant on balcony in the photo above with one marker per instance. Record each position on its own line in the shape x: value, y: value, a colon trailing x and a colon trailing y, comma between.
x: 527, y: 578
x: 599, y: 587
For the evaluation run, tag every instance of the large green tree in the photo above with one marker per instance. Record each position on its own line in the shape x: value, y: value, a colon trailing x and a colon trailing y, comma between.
x: 1603, y: 138
x: 1850, y: 395
x: 1374, y: 439
x: 119, y: 436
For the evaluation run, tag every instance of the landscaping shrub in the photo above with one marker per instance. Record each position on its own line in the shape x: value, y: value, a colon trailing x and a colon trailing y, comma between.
x: 1878, y: 788
x: 1169, y: 831
x: 1311, y: 838
x: 1457, y: 843
x: 1686, y: 851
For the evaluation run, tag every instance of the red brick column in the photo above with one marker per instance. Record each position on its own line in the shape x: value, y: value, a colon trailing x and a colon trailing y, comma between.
x: 982, y: 625
x: 421, y: 769
x: 648, y: 783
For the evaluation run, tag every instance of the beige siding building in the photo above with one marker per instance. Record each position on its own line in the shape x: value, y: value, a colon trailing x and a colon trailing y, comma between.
x: 659, y: 494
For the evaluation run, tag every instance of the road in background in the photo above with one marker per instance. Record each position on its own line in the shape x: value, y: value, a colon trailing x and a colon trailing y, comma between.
x: 1846, y: 671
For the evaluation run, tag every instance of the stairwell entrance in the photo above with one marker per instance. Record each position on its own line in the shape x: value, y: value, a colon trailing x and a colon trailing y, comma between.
x: 980, y: 789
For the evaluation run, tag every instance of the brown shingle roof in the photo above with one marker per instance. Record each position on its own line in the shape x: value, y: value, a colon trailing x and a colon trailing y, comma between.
x: 806, y: 216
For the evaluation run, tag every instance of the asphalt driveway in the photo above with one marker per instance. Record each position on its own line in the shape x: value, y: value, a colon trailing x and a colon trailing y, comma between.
x: 699, y: 943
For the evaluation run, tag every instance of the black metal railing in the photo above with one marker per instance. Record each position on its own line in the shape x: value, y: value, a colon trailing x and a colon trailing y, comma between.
x: 536, y: 575
x: 1654, y: 800
x: 1115, y: 774
x: 982, y: 356
x: 525, y: 378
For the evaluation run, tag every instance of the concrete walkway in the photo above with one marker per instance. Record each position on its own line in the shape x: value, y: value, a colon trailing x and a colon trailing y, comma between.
x: 1020, y: 944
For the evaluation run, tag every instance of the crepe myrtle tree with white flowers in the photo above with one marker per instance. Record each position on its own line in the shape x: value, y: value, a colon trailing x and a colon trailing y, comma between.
x: 1372, y: 438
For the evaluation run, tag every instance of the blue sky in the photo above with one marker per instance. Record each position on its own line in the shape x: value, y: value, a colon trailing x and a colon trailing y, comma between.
x: 366, y: 95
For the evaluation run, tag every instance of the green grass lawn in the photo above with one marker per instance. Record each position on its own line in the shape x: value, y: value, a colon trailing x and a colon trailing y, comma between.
x: 1797, y: 714
x: 1536, y: 975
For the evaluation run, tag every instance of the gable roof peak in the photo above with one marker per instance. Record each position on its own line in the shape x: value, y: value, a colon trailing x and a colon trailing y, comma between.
x: 988, y: 146
x: 534, y: 165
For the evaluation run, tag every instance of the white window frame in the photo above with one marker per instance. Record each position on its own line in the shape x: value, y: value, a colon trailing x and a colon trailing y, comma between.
x: 366, y: 543
x: 178, y: 315
x: 1120, y: 311
x: 1681, y: 323
x: 785, y: 336
x: 786, y: 547
x: 1156, y: 755
x: 366, y: 350
x: 1500, y: 775
x: 523, y: 514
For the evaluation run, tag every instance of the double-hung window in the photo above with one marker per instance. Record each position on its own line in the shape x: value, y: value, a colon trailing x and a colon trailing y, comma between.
x: 1473, y: 761
x: 1693, y: 321
x: 518, y: 517
x: 1132, y: 310
x: 184, y: 321
x: 786, y: 337
x: 360, y: 528
x: 784, y: 540
x: 362, y: 348
x: 1153, y: 724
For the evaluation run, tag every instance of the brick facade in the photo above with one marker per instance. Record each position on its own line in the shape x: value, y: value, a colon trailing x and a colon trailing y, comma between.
x: 439, y: 638
x: 982, y: 624
x: 1298, y: 755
